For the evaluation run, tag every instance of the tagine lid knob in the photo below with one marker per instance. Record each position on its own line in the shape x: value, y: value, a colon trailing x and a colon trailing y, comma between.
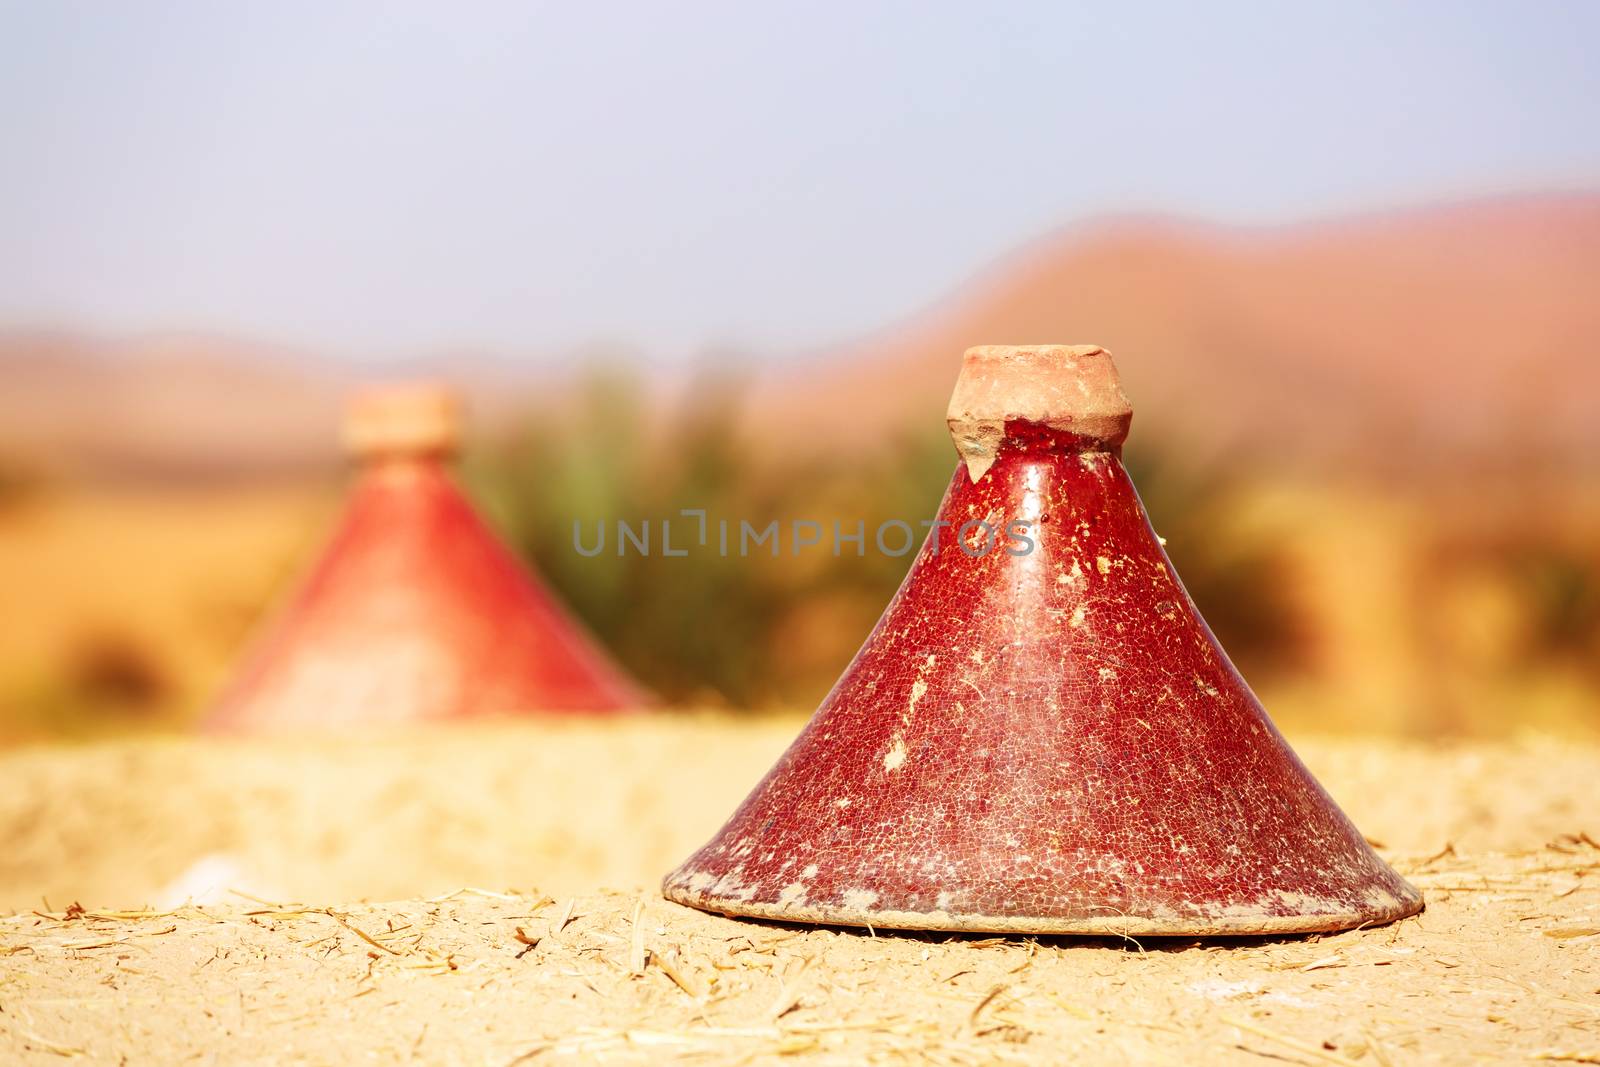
x: 1072, y: 388
x: 407, y: 419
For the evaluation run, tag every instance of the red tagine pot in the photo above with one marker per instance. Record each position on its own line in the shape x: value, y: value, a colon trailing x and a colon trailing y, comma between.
x: 415, y: 610
x: 1046, y: 741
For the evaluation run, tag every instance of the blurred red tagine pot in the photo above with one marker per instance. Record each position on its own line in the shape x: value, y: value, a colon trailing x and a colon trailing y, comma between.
x: 1044, y: 741
x: 415, y: 610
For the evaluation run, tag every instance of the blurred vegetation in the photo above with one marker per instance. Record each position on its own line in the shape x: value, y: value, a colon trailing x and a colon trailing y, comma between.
x: 753, y: 631
x: 703, y: 628
x: 110, y: 677
x: 1540, y: 578
x: 1242, y: 585
x: 1350, y: 601
x: 1563, y: 586
x: 20, y: 482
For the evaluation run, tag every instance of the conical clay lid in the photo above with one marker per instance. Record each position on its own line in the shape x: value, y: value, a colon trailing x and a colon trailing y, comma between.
x: 1044, y: 741
x: 415, y: 610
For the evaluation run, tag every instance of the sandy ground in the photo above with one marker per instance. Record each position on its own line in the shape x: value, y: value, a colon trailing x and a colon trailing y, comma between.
x: 537, y: 962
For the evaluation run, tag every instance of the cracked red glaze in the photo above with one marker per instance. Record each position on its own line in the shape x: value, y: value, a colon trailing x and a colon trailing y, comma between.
x: 414, y: 612
x: 1045, y: 743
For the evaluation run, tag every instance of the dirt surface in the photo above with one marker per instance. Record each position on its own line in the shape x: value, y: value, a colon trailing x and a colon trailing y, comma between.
x: 538, y: 963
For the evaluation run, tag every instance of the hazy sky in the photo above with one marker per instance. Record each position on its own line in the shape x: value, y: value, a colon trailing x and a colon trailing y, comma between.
x: 392, y: 178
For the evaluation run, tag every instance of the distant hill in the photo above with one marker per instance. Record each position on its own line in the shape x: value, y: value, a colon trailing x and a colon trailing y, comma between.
x: 196, y: 407
x: 163, y: 405
x: 1461, y: 333
x: 1467, y: 334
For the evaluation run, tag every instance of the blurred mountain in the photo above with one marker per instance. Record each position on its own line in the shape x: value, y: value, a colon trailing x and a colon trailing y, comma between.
x: 194, y: 407
x: 161, y: 405
x: 1468, y: 333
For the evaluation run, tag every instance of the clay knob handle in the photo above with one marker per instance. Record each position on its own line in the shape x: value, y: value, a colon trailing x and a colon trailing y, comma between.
x: 396, y: 421
x: 1072, y: 388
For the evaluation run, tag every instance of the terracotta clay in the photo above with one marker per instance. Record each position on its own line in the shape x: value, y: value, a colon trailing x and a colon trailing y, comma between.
x: 1044, y: 741
x: 415, y: 611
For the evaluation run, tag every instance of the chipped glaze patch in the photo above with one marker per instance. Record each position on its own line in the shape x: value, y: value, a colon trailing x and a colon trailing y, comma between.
x: 1099, y: 768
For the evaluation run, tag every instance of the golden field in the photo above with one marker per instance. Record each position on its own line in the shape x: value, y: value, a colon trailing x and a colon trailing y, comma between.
x: 1347, y: 608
